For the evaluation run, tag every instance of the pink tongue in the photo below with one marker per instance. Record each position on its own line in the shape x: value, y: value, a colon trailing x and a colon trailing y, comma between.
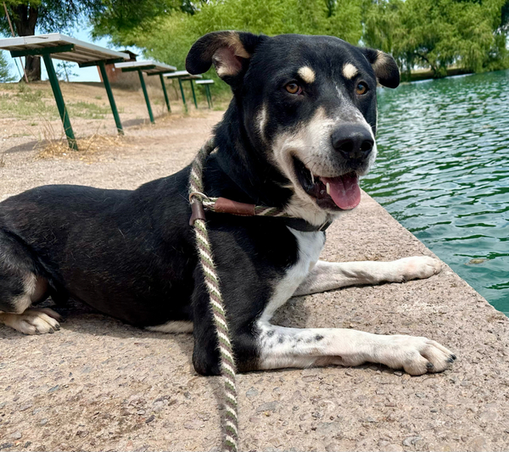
x: 344, y: 190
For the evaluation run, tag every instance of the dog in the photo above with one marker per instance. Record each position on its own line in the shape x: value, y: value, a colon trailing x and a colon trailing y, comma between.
x: 298, y: 134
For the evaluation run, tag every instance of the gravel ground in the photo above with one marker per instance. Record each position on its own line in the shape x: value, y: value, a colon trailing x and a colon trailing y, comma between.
x: 100, y: 385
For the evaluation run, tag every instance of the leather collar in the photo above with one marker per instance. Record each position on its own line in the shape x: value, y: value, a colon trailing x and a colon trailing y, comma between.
x: 302, y: 225
x: 224, y: 205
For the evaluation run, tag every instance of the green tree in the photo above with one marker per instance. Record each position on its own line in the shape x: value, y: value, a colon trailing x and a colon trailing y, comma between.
x: 380, y: 18
x: 119, y: 18
x: 45, y: 16
x: 438, y: 33
x: 167, y: 35
x: 5, y: 76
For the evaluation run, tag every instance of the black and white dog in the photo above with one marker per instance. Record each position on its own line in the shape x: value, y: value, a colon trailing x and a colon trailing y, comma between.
x: 297, y: 135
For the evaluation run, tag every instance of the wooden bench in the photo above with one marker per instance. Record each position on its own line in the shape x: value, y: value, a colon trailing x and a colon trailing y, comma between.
x: 61, y: 47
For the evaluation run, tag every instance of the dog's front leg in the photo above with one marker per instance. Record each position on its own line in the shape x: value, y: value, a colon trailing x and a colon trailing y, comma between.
x: 332, y: 275
x: 281, y: 347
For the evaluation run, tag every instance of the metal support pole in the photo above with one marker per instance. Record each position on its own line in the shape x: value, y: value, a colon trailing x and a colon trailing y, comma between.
x: 107, y: 85
x: 165, y: 93
x: 182, y: 92
x: 194, y: 95
x: 60, y: 102
x: 144, y: 88
x: 209, y: 97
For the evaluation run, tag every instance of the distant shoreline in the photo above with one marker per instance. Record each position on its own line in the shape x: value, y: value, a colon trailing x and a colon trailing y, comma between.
x: 426, y: 74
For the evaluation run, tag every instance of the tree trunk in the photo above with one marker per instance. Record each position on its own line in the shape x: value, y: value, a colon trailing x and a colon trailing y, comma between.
x: 25, y: 19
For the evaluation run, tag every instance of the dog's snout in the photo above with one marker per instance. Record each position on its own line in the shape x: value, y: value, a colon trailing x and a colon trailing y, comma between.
x: 353, y: 141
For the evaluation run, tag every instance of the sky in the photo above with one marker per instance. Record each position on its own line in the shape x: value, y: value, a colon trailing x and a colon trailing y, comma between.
x: 86, y: 74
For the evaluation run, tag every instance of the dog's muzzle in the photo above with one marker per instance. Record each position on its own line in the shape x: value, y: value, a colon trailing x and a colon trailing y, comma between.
x: 352, y: 143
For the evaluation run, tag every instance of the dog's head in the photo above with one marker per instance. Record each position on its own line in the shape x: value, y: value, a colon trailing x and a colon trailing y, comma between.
x: 307, y: 102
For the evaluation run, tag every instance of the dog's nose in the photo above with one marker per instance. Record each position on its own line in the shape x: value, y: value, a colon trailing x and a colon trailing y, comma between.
x: 353, y: 141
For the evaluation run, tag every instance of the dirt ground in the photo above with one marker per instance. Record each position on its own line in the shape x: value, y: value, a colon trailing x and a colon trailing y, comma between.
x: 100, y: 385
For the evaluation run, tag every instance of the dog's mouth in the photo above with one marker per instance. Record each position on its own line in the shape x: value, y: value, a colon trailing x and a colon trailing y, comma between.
x: 333, y: 193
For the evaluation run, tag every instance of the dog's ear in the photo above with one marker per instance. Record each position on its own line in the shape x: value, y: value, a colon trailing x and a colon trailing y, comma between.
x: 386, y: 69
x: 229, y: 51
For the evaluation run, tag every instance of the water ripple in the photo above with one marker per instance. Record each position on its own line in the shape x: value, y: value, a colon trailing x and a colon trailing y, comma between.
x: 443, y: 172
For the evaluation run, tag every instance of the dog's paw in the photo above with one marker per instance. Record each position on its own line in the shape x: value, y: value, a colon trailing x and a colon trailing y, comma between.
x: 33, y: 321
x: 415, y: 355
x: 416, y: 267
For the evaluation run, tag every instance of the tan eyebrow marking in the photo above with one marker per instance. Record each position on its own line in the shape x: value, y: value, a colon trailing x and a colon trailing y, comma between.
x: 349, y: 71
x: 307, y: 74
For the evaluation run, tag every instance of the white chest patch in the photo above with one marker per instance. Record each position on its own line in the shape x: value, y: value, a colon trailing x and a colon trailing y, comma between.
x: 310, y: 245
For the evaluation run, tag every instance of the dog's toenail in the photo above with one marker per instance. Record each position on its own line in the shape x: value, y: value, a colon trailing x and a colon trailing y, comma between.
x: 430, y: 366
x: 453, y: 357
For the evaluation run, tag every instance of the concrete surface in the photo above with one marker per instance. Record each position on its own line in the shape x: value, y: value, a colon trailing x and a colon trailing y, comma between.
x: 100, y: 385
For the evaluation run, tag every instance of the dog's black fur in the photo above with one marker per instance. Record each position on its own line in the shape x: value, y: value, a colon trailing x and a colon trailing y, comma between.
x: 131, y: 254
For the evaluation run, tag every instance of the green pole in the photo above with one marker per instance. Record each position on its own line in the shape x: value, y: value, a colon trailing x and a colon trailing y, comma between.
x: 165, y: 93
x: 182, y: 92
x: 194, y: 95
x: 60, y: 102
x: 144, y: 88
x: 107, y: 85
x: 209, y: 97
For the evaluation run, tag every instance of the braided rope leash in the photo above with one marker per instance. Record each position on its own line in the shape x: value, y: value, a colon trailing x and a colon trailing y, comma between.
x: 228, y: 368
x: 199, y: 202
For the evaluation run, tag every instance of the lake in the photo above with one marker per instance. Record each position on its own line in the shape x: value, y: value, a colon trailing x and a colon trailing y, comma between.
x: 443, y: 172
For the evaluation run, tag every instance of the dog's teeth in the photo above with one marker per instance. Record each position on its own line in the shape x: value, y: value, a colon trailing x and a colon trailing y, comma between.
x: 327, y: 188
x: 312, y: 178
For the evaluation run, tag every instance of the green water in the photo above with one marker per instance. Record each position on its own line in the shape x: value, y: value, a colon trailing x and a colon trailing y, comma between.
x: 443, y: 172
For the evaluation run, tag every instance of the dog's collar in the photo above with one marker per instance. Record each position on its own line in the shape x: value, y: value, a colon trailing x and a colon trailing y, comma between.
x: 201, y: 202
x: 302, y: 225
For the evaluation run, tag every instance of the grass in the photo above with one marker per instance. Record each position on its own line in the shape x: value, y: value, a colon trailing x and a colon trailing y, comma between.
x: 88, y: 110
x: 28, y: 102
x: 25, y: 103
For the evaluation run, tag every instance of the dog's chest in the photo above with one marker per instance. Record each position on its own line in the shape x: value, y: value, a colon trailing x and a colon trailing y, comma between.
x: 310, y: 245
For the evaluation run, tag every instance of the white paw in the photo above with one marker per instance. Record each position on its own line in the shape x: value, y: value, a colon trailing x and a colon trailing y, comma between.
x: 416, y: 267
x: 415, y: 355
x: 33, y: 321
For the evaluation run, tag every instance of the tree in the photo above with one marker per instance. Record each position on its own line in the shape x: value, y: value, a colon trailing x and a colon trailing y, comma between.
x: 438, y: 33
x: 380, y: 18
x: 4, y: 70
x: 46, y: 16
x: 167, y: 35
x: 470, y: 34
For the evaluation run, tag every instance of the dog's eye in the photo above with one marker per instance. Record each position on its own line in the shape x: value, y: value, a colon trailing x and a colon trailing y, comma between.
x: 361, y: 88
x: 293, y: 88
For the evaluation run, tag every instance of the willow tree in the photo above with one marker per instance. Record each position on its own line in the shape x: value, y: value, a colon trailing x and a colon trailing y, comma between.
x: 439, y: 33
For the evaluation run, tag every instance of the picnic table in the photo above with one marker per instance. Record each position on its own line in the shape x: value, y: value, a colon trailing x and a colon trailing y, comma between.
x: 184, y: 75
x: 206, y: 84
x: 150, y: 68
x: 61, y: 47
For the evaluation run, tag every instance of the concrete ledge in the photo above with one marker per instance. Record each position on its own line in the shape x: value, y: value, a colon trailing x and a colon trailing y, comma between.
x: 99, y: 385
